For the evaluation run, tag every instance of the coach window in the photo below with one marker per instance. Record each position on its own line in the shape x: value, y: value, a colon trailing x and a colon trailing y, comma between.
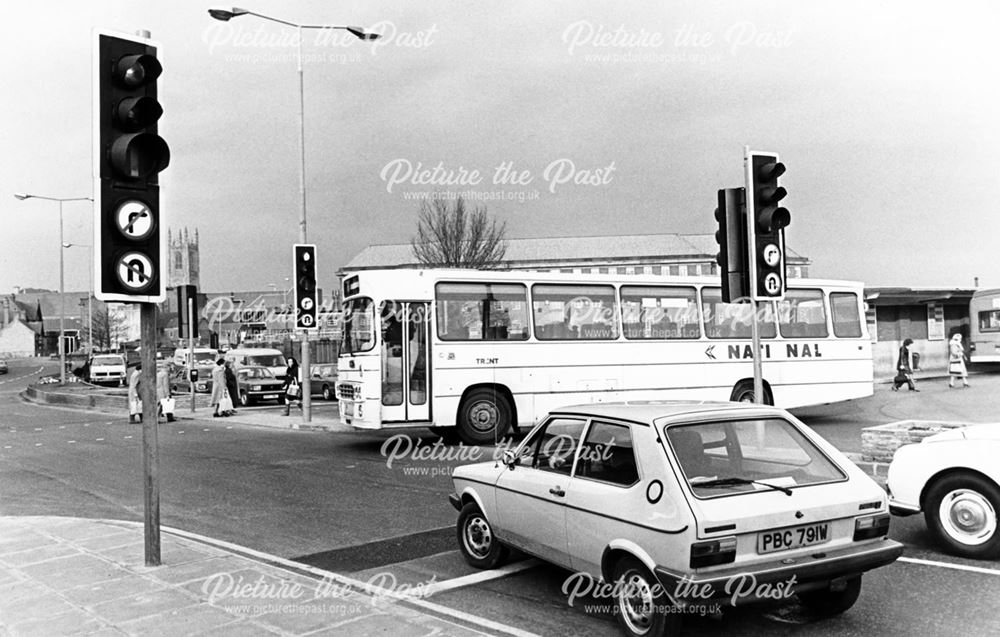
x: 802, y: 314
x: 846, y: 318
x: 734, y: 320
x: 651, y: 312
x: 574, y: 312
x: 481, y: 311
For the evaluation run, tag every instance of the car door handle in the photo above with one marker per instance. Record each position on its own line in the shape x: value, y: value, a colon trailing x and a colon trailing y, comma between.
x: 557, y: 492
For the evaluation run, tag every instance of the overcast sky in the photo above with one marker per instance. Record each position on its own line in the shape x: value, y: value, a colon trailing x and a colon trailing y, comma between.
x: 885, y: 114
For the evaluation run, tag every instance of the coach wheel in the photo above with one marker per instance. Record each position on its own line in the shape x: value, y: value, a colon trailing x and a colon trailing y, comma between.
x: 743, y: 393
x: 484, y: 416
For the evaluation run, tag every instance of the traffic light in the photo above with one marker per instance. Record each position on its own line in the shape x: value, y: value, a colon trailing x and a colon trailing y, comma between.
x: 766, y: 222
x: 185, y: 292
x: 128, y: 157
x: 305, y: 285
x: 732, y: 238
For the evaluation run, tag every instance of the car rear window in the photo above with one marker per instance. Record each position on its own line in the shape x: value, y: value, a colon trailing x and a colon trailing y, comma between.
x: 742, y: 456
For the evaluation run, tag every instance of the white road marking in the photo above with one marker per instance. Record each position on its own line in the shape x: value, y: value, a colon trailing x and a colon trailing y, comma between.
x: 71, y: 442
x: 957, y: 567
x: 38, y: 444
x: 7, y: 447
x: 127, y: 437
x: 481, y: 622
x: 481, y: 576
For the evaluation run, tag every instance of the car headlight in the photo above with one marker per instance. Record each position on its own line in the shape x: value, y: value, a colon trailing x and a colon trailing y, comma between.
x: 255, y: 388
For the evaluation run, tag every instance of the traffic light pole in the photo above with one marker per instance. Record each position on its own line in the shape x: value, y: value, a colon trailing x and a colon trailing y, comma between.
x: 304, y: 367
x: 190, y: 314
x: 758, y: 374
x: 150, y: 445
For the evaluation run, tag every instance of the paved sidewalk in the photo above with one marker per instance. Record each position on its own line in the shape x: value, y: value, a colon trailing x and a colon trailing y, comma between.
x: 62, y: 576
x: 325, y: 419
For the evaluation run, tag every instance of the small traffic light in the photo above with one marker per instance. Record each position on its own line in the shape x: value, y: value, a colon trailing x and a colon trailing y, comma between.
x: 128, y: 157
x: 185, y: 292
x: 766, y: 223
x: 732, y: 238
x: 304, y: 255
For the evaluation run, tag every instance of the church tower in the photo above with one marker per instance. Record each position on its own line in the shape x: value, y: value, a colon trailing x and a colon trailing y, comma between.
x: 183, y: 262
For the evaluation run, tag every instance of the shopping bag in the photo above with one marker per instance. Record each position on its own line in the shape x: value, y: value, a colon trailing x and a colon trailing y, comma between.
x: 226, y: 404
x: 293, y: 390
x: 167, y: 405
x: 135, y: 407
x: 955, y: 367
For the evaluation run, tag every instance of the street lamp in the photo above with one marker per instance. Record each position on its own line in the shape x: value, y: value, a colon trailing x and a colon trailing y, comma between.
x: 225, y: 15
x: 62, y: 283
x: 90, y: 295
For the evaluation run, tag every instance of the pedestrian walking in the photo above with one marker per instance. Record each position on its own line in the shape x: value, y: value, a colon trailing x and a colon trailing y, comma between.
x: 232, y: 387
x: 134, y: 402
x: 904, y: 367
x: 956, y: 362
x: 293, y: 389
x: 163, y: 391
x: 218, y: 386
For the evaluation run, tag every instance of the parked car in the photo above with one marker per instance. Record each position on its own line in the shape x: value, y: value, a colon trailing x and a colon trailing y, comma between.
x: 324, y: 381
x: 3, y: 366
x: 180, y: 381
x: 952, y: 477
x: 678, y: 503
x: 257, y: 384
x: 107, y: 369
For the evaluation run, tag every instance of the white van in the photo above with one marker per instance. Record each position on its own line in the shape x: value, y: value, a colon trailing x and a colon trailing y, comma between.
x: 107, y: 369
x: 272, y: 359
x: 202, y: 356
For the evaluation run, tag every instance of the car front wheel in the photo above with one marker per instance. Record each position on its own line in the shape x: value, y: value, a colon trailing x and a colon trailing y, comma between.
x: 641, y: 606
x: 476, y: 540
x: 831, y: 601
x: 244, y: 399
x: 327, y: 393
x: 961, y: 512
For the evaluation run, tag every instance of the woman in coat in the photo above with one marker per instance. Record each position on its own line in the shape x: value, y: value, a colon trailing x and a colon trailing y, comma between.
x: 134, y: 404
x: 292, y: 380
x: 956, y: 362
x: 218, y: 385
x: 232, y: 387
x: 904, y: 368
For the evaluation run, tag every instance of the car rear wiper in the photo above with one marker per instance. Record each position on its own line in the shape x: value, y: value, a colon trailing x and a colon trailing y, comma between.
x: 727, y: 482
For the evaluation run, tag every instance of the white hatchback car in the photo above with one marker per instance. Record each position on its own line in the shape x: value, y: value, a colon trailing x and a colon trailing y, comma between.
x: 953, y: 478
x: 672, y: 504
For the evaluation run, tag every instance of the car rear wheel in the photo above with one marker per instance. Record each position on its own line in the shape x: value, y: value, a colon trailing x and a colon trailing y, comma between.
x: 476, y: 540
x: 641, y: 605
x: 485, y: 416
x: 832, y: 600
x: 961, y: 512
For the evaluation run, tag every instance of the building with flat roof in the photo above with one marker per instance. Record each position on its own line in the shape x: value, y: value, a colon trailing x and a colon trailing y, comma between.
x: 663, y: 254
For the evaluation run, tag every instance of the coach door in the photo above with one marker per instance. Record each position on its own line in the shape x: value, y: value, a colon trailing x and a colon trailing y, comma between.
x: 405, y: 361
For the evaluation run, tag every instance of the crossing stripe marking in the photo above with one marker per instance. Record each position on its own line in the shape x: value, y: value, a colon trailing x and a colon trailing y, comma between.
x: 481, y: 576
x: 957, y: 567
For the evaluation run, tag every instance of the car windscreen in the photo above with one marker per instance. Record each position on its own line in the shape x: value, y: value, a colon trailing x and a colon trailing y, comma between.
x: 741, y: 456
x: 256, y: 372
x: 107, y: 360
x: 203, y: 359
x: 267, y: 360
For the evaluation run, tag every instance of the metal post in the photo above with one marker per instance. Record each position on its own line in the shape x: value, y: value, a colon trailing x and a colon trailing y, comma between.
x: 304, y: 366
x: 90, y: 304
x: 758, y: 384
x: 62, y: 302
x: 150, y: 447
x: 190, y: 313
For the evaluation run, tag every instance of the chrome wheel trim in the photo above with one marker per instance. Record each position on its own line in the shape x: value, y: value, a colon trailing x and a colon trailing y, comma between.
x: 636, y: 602
x: 967, y: 517
x: 484, y: 416
x: 477, y: 536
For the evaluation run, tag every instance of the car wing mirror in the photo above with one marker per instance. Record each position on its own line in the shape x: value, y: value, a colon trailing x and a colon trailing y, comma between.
x: 509, y: 458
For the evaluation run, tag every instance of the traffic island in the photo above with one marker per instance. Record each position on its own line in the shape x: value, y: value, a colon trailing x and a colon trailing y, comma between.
x: 77, y: 395
x: 879, y: 444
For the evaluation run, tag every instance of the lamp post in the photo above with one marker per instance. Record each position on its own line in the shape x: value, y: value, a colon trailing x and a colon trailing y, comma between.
x: 62, y: 282
x: 90, y: 295
x: 225, y: 15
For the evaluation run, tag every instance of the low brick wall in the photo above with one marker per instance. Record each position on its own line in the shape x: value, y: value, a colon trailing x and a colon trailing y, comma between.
x: 879, y: 444
x: 94, y: 399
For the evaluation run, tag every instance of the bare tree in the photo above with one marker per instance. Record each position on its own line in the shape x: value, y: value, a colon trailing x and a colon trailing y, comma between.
x: 452, y: 236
